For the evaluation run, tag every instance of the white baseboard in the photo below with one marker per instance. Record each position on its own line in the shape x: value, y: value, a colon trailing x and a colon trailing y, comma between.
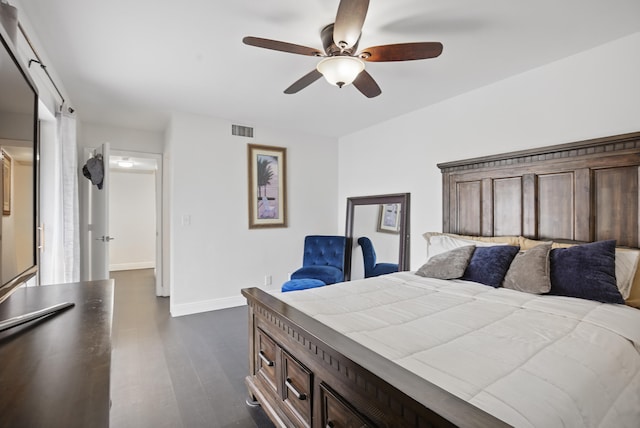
x: 132, y: 266
x: 206, y: 306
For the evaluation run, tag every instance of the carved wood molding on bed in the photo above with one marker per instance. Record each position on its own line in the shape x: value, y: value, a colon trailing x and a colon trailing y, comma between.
x: 583, y: 191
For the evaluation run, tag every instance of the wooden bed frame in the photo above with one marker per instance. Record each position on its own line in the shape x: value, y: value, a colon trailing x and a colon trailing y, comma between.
x: 304, y: 374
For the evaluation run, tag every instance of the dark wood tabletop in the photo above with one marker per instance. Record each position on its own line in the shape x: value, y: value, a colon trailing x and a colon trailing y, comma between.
x: 54, y: 372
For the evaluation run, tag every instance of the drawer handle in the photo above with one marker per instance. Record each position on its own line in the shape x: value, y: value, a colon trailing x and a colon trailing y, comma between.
x: 293, y: 389
x: 265, y: 359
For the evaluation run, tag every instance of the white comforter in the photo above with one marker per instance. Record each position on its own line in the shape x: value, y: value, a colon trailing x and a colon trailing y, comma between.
x: 532, y: 361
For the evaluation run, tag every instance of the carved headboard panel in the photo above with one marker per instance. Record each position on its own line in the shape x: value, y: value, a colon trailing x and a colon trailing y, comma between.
x: 582, y: 191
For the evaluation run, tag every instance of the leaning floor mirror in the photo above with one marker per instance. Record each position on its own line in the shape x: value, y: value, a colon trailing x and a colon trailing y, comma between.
x: 377, y: 225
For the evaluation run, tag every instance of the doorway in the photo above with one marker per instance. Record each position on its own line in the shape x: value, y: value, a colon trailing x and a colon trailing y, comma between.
x: 135, y: 213
x: 95, y: 234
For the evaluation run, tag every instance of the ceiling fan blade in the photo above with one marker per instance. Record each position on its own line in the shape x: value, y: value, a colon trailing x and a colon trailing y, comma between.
x: 349, y: 22
x: 281, y: 46
x: 402, y: 52
x: 365, y: 84
x: 303, y: 82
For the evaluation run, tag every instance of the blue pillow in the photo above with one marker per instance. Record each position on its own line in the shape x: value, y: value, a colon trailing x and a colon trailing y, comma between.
x: 586, y: 271
x: 489, y: 265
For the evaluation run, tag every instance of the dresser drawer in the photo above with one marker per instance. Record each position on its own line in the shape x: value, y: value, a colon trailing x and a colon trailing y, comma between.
x: 336, y: 412
x: 297, y: 384
x: 266, y: 358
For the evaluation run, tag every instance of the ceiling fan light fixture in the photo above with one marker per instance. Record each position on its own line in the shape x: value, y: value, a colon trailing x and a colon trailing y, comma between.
x: 340, y: 70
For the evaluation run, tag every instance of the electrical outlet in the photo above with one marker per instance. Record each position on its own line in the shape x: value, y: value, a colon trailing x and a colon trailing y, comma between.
x: 267, y: 280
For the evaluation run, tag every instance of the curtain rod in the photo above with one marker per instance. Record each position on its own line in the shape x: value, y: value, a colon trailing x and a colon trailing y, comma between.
x: 44, y: 67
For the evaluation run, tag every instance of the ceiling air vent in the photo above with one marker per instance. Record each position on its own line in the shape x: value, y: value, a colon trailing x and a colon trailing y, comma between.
x: 242, y: 131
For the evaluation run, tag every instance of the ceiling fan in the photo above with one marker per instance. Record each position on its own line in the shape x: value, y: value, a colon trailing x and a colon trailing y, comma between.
x: 342, y: 63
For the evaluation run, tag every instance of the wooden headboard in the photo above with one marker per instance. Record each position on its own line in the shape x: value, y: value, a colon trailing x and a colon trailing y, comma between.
x: 583, y: 191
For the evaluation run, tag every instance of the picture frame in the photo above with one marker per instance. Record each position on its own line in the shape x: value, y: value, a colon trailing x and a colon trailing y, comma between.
x: 6, y: 183
x: 389, y: 218
x: 267, y: 173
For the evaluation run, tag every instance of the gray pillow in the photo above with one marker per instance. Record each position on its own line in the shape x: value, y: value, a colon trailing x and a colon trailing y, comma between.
x: 448, y: 265
x: 530, y: 271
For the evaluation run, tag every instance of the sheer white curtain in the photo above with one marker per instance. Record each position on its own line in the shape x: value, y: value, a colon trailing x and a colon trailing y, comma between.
x: 60, y: 260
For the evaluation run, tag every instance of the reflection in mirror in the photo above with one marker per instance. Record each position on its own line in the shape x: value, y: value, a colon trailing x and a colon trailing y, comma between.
x: 17, y: 207
x: 367, y: 220
x: 384, y: 219
x: 18, y: 124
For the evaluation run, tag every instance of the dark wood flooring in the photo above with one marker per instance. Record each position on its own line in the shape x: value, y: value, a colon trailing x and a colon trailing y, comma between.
x: 184, y: 372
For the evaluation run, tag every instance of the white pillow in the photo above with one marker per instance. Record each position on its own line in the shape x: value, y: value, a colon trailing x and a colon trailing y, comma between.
x: 626, y: 265
x: 438, y: 244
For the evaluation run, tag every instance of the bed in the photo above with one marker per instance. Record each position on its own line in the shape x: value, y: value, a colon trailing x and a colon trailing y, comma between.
x: 413, y: 350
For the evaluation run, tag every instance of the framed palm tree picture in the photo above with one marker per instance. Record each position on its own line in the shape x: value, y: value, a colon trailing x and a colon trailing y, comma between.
x: 267, y: 186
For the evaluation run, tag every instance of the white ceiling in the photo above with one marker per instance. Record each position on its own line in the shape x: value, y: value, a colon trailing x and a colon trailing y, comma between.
x: 129, y: 63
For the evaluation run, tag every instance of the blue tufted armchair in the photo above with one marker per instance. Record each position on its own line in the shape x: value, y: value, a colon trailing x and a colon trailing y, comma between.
x: 323, y: 259
x: 371, y: 268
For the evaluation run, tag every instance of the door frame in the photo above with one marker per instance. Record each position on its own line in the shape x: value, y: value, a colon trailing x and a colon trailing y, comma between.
x: 162, y: 287
x: 161, y: 290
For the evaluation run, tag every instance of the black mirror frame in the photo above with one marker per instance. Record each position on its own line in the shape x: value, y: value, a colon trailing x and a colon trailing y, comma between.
x: 404, y: 233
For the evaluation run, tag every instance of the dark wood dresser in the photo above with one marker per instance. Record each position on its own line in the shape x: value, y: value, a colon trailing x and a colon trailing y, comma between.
x: 54, y: 372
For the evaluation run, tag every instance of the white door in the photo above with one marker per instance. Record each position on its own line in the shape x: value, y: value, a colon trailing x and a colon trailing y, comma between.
x: 98, y: 228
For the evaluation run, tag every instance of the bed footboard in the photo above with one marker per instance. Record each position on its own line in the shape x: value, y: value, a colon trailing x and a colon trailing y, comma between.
x: 304, y: 374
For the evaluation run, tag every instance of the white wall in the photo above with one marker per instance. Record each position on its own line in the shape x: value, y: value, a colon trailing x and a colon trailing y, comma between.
x: 93, y: 135
x: 16, y: 126
x: 593, y: 94
x: 132, y: 219
x: 47, y: 94
x: 216, y: 255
